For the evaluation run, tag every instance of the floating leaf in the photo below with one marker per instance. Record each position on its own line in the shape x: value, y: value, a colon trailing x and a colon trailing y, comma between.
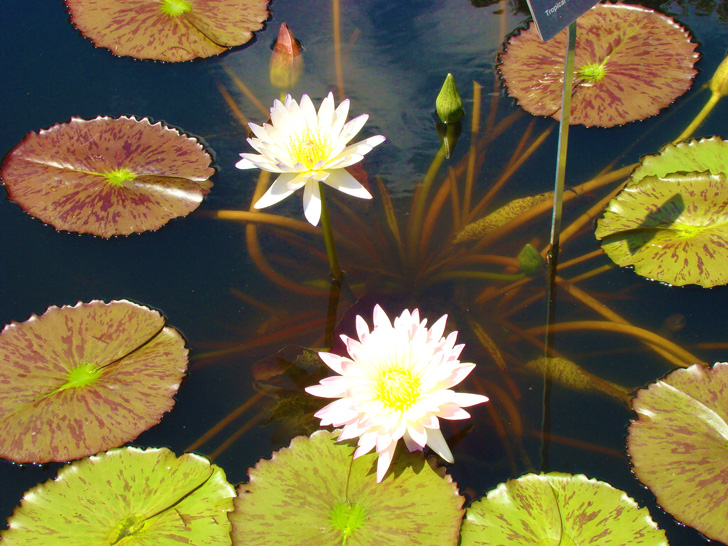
x: 127, y: 496
x: 107, y: 176
x: 78, y: 380
x: 315, y: 493
x: 168, y: 30
x: 478, y: 229
x: 679, y: 446
x: 630, y: 62
x: 673, y: 227
x: 558, y: 508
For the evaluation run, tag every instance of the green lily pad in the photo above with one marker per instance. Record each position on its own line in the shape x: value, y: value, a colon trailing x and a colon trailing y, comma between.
x: 168, y: 30
x: 671, y: 220
x: 679, y: 446
x: 107, y: 176
x: 127, y: 496
x: 558, y: 509
x: 78, y: 380
x: 315, y: 493
x: 630, y: 62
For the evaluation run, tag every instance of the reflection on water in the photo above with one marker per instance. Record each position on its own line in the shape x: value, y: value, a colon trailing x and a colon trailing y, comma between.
x: 206, y: 275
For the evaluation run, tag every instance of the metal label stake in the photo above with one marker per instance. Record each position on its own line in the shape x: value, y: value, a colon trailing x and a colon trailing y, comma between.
x: 553, y: 256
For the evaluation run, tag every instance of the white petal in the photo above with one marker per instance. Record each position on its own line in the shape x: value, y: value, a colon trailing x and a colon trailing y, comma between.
x: 278, y: 191
x: 309, y: 111
x: 352, y: 127
x: 344, y: 182
x: 326, y: 113
x: 385, y: 459
x: 437, y: 442
x: 465, y: 400
x: 339, y: 118
x: 418, y: 434
x: 380, y: 318
x: 329, y: 387
x: 367, y: 441
x: 362, y: 328
x: 452, y: 412
x: 354, y: 153
x: 437, y: 329
x: 312, y: 202
x: 245, y: 163
x: 335, y: 362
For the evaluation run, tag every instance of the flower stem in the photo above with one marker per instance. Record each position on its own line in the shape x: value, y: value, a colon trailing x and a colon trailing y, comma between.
x: 336, y: 272
x: 690, y: 129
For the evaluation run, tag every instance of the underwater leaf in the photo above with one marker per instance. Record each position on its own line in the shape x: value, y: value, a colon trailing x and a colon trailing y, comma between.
x: 168, y: 30
x: 558, y: 509
x: 672, y: 229
x: 679, y: 446
x: 572, y: 376
x: 480, y: 228
x: 107, y: 176
x: 78, y: 380
x: 315, y: 494
x: 127, y: 496
x: 630, y: 63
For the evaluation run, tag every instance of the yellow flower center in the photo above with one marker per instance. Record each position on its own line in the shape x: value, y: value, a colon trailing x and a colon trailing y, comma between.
x: 309, y: 149
x: 398, y: 389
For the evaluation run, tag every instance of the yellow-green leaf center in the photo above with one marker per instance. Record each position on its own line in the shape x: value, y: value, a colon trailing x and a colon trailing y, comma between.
x: 131, y: 525
x: 81, y: 376
x: 124, y: 178
x: 347, y: 518
x: 593, y: 72
x: 175, y: 8
x: 398, y: 388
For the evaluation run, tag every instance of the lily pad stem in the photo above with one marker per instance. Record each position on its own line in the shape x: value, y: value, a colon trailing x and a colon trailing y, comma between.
x: 336, y: 272
x: 700, y: 118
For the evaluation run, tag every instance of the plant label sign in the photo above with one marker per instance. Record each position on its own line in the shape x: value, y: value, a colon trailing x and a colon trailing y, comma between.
x: 552, y: 16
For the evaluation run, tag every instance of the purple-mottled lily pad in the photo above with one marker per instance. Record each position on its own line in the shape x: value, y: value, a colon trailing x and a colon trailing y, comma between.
x: 78, y: 380
x: 314, y: 492
x: 107, y: 176
x: 671, y: 220
x: 558, y: 508
x: 630, y: 62
x: 168, y: 30
x: 127, y: 496
x: 679, y: 445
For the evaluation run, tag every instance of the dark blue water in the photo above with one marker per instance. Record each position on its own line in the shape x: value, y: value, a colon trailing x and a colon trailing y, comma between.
x: 396, y: 56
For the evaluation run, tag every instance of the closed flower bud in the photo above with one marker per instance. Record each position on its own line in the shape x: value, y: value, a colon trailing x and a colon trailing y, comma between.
x: 286, y: 64
x: 719, y: 82
x: 448, y: 104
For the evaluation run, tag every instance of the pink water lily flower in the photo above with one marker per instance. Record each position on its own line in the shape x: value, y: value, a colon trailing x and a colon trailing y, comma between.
x: 396, y: 384
x: 307, y: 147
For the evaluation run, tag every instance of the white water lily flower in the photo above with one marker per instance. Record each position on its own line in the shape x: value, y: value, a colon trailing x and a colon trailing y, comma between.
x: 307, y: 148
x: 395, y: 385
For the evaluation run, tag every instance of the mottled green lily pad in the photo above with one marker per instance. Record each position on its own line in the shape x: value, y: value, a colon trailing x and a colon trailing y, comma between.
x: 129, y: 497
x: 558, y: 509
x: 78, y: 380
x: 679, y: 446
x: 630, y: 62
x: 671, y: 220
x: 168, y: 30
x: 315, y: 493
x: 107, y: 176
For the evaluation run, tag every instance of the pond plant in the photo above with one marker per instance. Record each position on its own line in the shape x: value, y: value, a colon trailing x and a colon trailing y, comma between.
x: 120, y: 360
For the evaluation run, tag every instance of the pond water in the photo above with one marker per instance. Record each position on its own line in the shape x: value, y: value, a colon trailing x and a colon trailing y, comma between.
x: 199, y: 272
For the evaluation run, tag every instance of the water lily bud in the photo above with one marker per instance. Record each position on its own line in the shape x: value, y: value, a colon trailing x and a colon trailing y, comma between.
x: 448, y: 105
x: 449, y: 133
x: 530, y: 261
x: 286, y: 64
x: 719, y: 82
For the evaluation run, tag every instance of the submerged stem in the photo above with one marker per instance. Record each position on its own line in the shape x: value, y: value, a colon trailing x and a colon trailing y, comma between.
x: 336, y: 272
